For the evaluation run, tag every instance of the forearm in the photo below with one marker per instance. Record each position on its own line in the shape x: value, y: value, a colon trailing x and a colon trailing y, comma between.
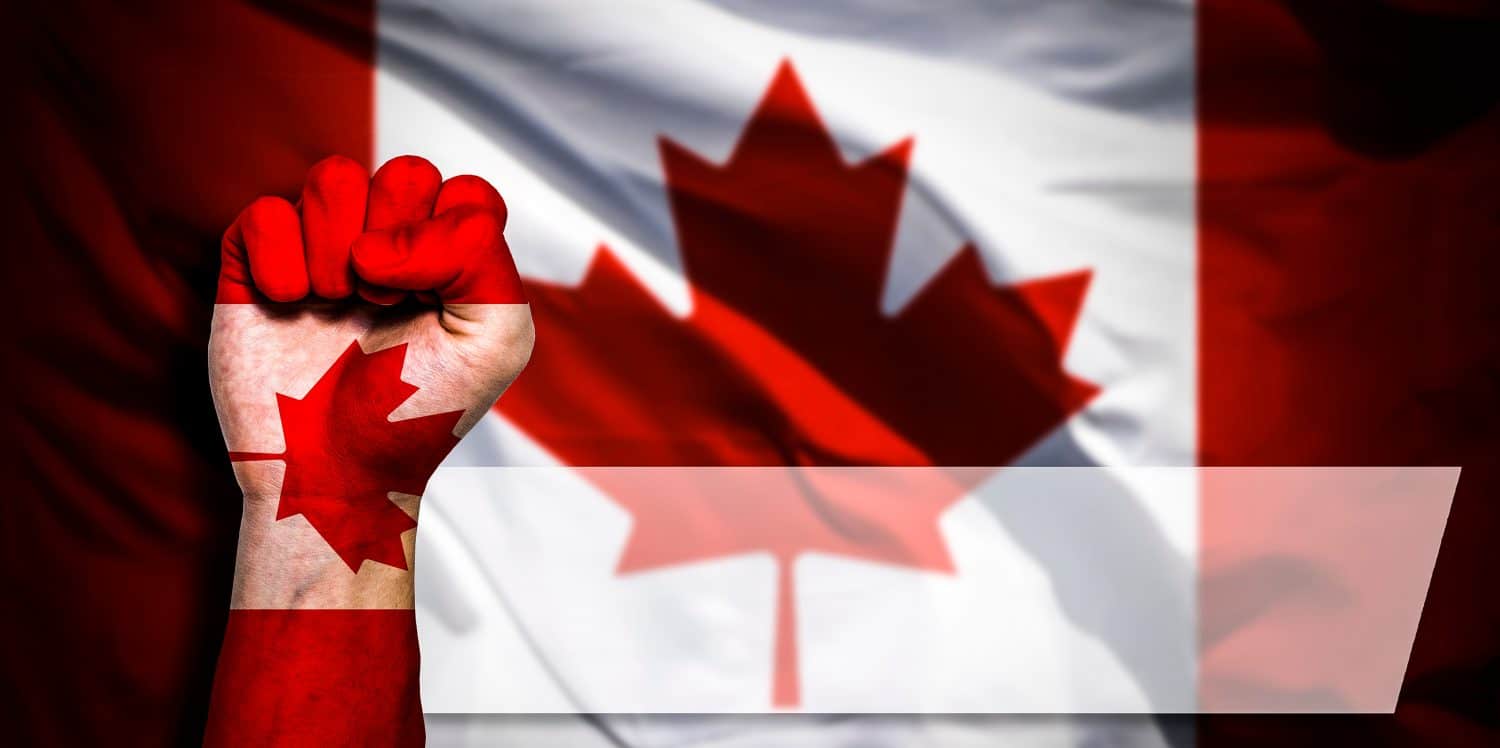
x: 314, y: 653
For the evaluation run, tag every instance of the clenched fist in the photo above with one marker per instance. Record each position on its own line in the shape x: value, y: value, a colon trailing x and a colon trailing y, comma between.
x: 358, y: 333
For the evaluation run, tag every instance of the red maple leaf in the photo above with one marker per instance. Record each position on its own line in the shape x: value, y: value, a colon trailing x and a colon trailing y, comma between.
x: 786, y: 359
x: 344, y: 456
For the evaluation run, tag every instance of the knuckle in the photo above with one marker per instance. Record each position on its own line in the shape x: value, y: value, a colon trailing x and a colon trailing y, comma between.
x: 335, y: 172
x: 335, y: 164
x: 468, y: 189
x: 412, y: 169
x: 267, y: 205
x: 268, y: 210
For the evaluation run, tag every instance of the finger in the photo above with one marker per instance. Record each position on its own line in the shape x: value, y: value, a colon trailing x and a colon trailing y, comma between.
x: 473, y: 191
x: 235, y: 284
x: 459, y: 255
x: 448, y: 255
x: 333, y: 215
x: 266, y: 238
x: 428, y: 256
x: 401, y: 192
x: 489, y: 275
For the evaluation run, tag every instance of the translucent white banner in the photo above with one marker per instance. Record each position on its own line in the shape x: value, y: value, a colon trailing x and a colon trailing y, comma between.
x: 923, y: 590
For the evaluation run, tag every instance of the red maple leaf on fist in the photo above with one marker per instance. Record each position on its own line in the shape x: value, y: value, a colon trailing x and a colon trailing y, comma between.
x: 344, y: 456
x: 787, y: 359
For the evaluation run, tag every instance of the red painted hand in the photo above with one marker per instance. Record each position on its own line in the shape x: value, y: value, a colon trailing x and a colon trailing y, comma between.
x: 357, y: 335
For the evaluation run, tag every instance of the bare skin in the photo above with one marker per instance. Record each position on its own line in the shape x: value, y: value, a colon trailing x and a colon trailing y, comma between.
x: 460, y: 357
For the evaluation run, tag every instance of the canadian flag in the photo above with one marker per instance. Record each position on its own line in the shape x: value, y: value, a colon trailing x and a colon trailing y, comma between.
x: 792, y: 240
x: 1046, y: 282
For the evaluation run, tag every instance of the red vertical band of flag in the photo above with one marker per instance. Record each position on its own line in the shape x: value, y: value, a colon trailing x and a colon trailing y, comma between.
x: 1347, y: 311
x: 142, y: 129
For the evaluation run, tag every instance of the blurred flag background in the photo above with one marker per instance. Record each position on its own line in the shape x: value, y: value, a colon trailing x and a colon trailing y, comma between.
x: 761, y: 234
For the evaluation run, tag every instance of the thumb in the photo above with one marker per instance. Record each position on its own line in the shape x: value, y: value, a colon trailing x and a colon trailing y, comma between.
x: 459, y: 255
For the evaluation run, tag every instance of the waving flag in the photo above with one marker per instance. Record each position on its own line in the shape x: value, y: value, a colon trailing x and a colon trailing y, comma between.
x: 818, y: 297
x: 790, y: 238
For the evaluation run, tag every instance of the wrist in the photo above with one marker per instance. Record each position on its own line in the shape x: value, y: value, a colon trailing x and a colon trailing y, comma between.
x: 286, y: 563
